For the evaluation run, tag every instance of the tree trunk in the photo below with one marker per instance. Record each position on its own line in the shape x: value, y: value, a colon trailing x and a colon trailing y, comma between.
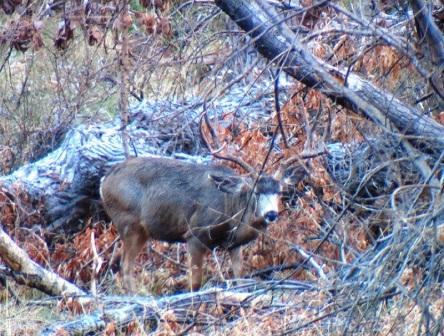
x: 123, y: 310
x: 275, y: 41
x: 428, y: 31
x: 125, y: 22
x: 63, y: 187
x: 27, y: 272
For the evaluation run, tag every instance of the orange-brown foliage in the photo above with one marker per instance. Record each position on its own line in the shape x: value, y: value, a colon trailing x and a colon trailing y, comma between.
x: 74, y: 260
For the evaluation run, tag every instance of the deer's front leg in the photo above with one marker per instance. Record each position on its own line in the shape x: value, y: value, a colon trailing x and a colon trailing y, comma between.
x: 196, y: 260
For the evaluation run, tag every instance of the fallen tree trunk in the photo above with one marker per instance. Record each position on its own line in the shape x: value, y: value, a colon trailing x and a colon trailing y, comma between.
x: 60, y: 190
x: 275, y: 41
x: 123, y: 310
x: 63, y: 187
x: 29, y: 273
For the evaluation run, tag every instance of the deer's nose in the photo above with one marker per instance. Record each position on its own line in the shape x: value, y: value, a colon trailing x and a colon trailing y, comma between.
x: 271, y: 216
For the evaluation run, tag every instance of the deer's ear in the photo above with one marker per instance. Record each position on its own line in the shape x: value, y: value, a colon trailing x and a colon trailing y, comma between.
x: 295, y: 174
x: 226, y: 184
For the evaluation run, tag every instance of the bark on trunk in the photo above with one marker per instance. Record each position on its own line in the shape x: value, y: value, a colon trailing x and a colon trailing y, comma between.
x: 27, y: 272
x: 428, y: 31
x: 63, y: 187
x: 275, y: 41
x: 123, y: 310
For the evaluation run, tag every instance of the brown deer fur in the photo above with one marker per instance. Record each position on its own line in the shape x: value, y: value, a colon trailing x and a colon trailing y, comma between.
x: 205, y: 206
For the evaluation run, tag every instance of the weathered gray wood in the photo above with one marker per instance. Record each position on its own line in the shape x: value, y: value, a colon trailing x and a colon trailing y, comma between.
x: 67, y: 180
x: 29, y: 273
x: 123, y: 310
x: 278, y: 43
x: 428, y: 31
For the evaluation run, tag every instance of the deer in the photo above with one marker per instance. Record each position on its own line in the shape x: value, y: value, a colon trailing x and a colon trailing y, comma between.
x: 203, y: 205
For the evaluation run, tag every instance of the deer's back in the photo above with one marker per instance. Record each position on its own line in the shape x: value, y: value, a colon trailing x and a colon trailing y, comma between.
x: 165, y: 197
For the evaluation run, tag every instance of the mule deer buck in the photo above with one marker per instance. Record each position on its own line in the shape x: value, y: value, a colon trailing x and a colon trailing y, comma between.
x: 206, y: 206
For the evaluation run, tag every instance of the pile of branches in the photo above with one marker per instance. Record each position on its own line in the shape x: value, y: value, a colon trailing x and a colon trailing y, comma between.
x: 402, y: 213
x: 209, y: 310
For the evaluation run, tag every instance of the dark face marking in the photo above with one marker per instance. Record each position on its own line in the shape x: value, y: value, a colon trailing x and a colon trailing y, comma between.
x: 267, y: 185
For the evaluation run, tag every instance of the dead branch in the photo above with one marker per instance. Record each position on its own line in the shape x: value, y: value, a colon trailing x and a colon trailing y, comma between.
x: 311, y: 260
x: 216, y: 151
x: 428, y: 30
x: 275, y: 41
x: 29, y: 273
x: 123, y: 310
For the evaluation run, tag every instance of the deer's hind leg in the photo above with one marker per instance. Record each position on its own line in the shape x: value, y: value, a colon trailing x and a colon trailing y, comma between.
x: 134, y: 238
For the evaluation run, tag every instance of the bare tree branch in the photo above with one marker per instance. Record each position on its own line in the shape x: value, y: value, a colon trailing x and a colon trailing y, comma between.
x: 275, y: 40
x: 29, y: 273
x: 428, y: 30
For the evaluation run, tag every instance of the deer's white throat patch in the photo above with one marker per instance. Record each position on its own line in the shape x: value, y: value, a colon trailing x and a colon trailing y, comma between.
x: 267, y: 203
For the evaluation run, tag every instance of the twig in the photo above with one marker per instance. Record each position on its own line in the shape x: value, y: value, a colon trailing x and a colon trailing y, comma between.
x: 309, y: 258
x: 271, y: 269
x: 278, y: 107
x: 387, y: 37
x: 178, y: 264
x: 292, y: 331
x: 97, y: 265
